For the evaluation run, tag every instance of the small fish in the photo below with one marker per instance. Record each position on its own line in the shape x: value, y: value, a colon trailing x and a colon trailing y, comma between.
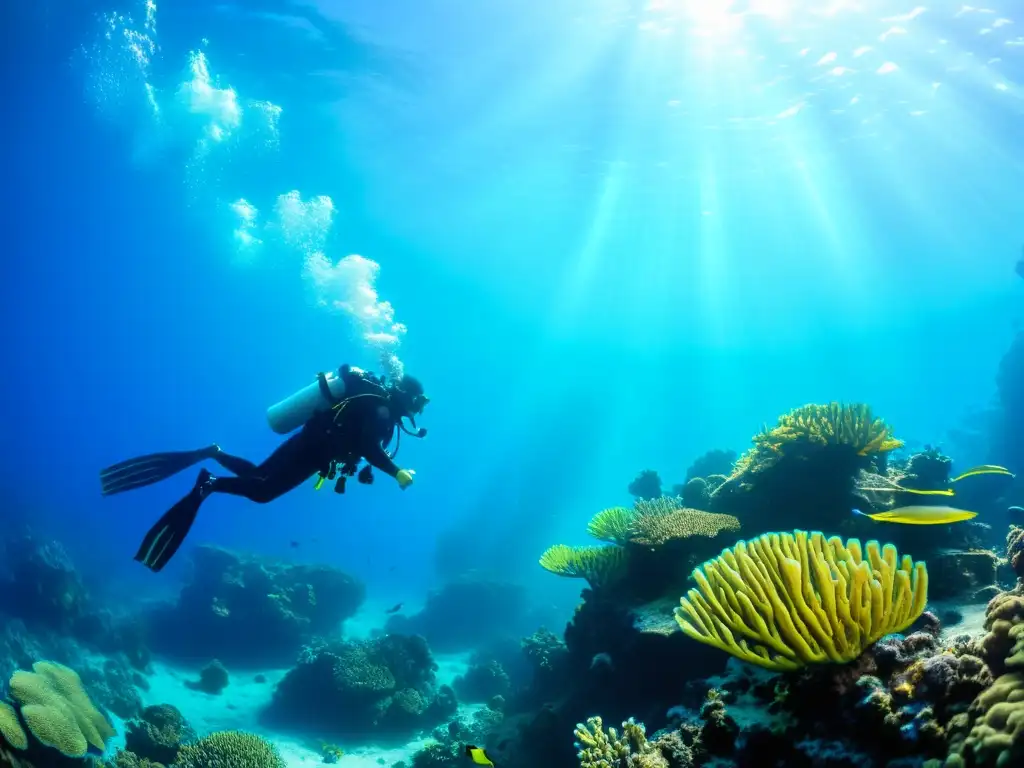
x: 918, y: 515
x: 477, y: 756
x: 983, y: 469
x: 1015, y: 510
x: 395, y: 608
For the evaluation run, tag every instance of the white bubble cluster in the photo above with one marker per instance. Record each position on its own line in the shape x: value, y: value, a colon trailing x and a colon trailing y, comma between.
x: 304, y: 225
x: 247, y: 226
x: 349, y: 287
x: 201, y: 113
x: 196, y: 111
x: 217, y: 108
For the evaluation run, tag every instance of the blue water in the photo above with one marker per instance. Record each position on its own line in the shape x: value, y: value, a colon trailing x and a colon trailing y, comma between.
x: 618, y: 235
x: 608, y: 250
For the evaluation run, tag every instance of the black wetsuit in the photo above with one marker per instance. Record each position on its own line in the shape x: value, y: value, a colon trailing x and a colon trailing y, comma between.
x: 361, y: 430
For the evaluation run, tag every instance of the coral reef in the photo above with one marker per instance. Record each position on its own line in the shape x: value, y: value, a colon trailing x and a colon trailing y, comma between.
x: 804, y: 468
x: 482, y: 681
x: 1015, y: 550
x: 384, y: 687
x: 42, y: 587
x: 646, y: 485
x: 467, y: 613
x: 213, y: 678
x: 43, y: 597
x: 714, y: 462
x: 247, y: 610
x: 158, y: 733
x: 655, y: 543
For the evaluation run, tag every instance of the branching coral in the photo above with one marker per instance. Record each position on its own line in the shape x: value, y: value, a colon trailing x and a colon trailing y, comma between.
x: 600, y: 566
x: 834, y: 424
x: 782, y: 600
x: 611, y: 525
x: 230, y: 748
x: 653, y: 529
x: 600, y: 748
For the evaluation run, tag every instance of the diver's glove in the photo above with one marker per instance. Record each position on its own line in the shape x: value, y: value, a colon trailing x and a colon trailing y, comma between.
x: 404, y: 478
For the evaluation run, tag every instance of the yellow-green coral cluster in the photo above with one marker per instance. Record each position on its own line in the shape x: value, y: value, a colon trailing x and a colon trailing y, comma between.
x: 11, y: 731
x: 650, y: 523
x: 230, y: 749
x: 58, y: 711
x: 600, y: 748
x: 782, y: 600
x: 612, y: 525
x: 818, y: 425
x: 655, y: 529
x: 600, y: 566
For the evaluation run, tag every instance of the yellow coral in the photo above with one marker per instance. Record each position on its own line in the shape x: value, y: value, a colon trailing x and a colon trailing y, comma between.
x: 818, y: 425
x: 782, y: 600
x: 598, y: 565
x: 598, y: 748
x: 58, y: 711
x: 655, y: 529
x: 230, y: 748
x: 612, y: 525
x: 10, y: 728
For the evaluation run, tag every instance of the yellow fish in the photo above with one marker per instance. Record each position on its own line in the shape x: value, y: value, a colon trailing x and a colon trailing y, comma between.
x: 477, y: 756
x: 983, y: 469
x: 918, y: 515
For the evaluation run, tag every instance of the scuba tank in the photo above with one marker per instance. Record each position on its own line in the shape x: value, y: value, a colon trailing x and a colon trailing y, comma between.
x: 320, y: 395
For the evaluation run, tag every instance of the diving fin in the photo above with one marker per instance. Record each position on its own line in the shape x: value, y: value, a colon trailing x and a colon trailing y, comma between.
x: 164, y: 539
x: 151, y: 468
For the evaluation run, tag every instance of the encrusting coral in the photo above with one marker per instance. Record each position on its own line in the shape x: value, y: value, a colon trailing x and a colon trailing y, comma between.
x: 782, y: 601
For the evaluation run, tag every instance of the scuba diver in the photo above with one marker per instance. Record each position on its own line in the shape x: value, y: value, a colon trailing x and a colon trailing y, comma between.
x: 345, y: 417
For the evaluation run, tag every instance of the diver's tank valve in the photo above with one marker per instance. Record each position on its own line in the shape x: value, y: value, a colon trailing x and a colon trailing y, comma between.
x: 320, y: 395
